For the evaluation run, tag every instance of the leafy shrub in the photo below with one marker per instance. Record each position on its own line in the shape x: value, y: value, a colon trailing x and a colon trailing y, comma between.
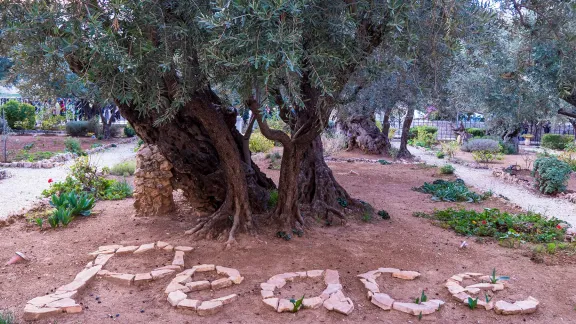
x: 117, y: 190
x: 481, y: 144
x: 569, y: 156
x: 440, y: 154
x: 73, y: 146
x: 273, y: 199
x: 492, y: 222
x: 556, y: 141
x: 78, y: 204
x: 476, y: 132
x: 77, y: 128
x: 453, y: 191
x: 52, y: 122
x: 126, y: 168
x: 449, y: 148
x: 129, y: 131
x: 259, y: 143
x: 486, y: 156
x: 19, y: 115
x: 413, y: 132
x: 551, y: 174
x: 447, y: 169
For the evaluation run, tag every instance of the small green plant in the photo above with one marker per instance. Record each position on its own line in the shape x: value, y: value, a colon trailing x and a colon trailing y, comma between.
x: 422, y: 299
x: 117, y: 190
x: 383, y: 162
x: 39, y: 221
x: 126, y: 168
x: 273, y: 199
x: 53, y: 221
x: 493, y: 278
x: 95, y: 145
x: 420, y: 316
x: 28, y: 146
x: 472, y: 303
x: 297, y: 304
x: 487, y: 298
x: 447, y: 169
x: 342, y: 202
x: 284, y: 235
x: 551, y: 248
x: 449, y: 148
x: 105, y: 170
x: 440, y: 154
x: 73, y: 146
x: 129, y: 131
x: 551, y: 175
x: 452, y: 191
x: 383, y: 214
x: 63, y: 215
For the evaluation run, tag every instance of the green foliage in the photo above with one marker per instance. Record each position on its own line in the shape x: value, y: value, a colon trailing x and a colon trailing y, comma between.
x: 492, y: 222
x: 476, y: 132
x: 73, y: 146
x: 342, y: 202
x: 472, y: 303
x: 551, y: 174
x: 19, y: 115
x: 259, y: 143
x: 569, y: 156
x: 117, y: 190
x: 284, y: 235
x: 129, y: 131
x: 440, y: 154
x: 485, y: 156
x: 95, y: 145
x: 449, y: 148
x: 383, y: 162
x: 61, y: 215
x: 273, y: 199
x: 138, y: 144
x: 78, y: 204
x: 7, y: 317
x: 39, y: 221
x: 77, y: 128
x: 453, y: 191
x: 424, y: 136
x: 126, y: 168
x: 422, y: 299
x: 556, y: 141
x: 52, y: 122
x: 297, y: 304
x: 25, y: 155
x: 447, y: 169
x: 70, y: 184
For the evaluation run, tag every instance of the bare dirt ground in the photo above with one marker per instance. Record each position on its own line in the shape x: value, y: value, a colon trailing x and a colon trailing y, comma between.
x: 404, y: 241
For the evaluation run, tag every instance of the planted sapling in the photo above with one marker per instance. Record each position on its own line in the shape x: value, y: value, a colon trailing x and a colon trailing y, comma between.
x: 472, y: 303
x: 493, y: 278
x: 423, y: 298
x: 297, y: 304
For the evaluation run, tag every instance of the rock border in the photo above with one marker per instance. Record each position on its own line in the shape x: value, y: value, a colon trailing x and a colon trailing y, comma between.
x: 62, y: 300
x: 59, y: 159
x: 501, y: 307
x: 385, y: 302
x: 331, y: 298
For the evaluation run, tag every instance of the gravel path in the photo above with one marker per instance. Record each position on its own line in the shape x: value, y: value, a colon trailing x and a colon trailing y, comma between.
x: 25, y: 185
x: 484, y: 180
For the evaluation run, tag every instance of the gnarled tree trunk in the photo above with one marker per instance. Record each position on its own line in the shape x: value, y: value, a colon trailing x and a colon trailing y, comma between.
x: 363, y: 133
x: 403, y: 152
x: 205, y: 150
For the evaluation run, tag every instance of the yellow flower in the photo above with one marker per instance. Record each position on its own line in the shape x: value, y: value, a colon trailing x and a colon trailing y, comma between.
x: 473, y: 222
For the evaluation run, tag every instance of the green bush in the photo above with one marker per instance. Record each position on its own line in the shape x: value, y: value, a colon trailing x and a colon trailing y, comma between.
x: 73, y: 146
x: 52, y: 122
x: 25, y: 155
x: 273, y: 199
x: 117, y: 190
x: 492, y: 222
x: 414, y: 131
x: 259, y: 143
x: 19, y: 115
x: 453, y: 191
x: 476, y: 132
x: 126, y: 168
x: 486, y: 156
x: 556, y: 141
x: 129, y: 131
x: 551, y: 174
x: 77, y: 128
x: 447, y: 169
x: 440, y: 154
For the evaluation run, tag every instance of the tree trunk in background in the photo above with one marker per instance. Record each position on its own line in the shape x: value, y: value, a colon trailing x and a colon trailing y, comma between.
x: 205, y: 148
x: 363, y: 133
x: 386, y: 126
x: 403, y: 152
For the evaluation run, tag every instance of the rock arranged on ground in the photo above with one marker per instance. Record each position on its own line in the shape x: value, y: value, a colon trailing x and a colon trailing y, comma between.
x: 331, y: 298
x: 62, y: 300
x: 466, y: 293
x: 385, y: 302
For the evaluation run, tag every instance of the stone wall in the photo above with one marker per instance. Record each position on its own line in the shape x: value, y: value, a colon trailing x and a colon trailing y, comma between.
x: 152, y: 183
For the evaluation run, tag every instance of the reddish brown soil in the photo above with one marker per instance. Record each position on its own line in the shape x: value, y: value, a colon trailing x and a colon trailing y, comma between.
x: 47, y: 143
x: 404, y: 241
